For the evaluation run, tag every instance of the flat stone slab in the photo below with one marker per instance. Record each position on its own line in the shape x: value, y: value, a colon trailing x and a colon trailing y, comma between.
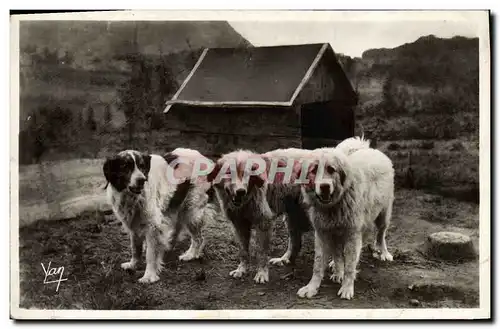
x: 450, y: 246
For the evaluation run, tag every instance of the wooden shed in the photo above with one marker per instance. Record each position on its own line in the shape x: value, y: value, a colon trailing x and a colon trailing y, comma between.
x: 262, y: 98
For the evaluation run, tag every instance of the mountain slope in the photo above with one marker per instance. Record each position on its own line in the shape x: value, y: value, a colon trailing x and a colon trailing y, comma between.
x: 87, y: 40
x: 429, y: 60
x: 421, y: 90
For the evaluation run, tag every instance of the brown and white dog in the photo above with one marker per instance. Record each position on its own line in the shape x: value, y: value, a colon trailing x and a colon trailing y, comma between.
x: 242, y: 200
x: 155, y: 203
x: 349, y: 189
x: 251, y: 199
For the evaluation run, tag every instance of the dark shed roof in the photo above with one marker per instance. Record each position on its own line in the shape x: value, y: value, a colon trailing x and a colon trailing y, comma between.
x: 250, y: 76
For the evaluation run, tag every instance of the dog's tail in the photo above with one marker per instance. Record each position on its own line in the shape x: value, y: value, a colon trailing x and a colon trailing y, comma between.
x: 180, y: 194
x: 353, y: 144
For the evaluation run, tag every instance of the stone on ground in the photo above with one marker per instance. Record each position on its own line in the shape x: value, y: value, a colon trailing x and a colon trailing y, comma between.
x: 450, y: 246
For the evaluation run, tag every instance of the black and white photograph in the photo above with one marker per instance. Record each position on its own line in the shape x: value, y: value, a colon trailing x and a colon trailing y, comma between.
x: 250, y: 165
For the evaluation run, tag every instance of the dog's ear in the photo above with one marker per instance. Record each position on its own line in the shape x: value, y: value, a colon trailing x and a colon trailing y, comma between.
x: 171, y: 157
x: 279, y: 176
x: 342, y: 176
x: 111, y: 168
x: 312, y: 170
x: 215, y: 171
x: 296, y: 170
x: 259, y: 179
x: 147, y: 163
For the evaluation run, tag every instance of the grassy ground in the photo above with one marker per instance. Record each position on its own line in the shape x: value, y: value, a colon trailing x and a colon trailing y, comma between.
x: 92, y: 246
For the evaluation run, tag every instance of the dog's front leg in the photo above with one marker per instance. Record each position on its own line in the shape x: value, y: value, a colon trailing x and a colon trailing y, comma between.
x: 243, y: 231
x: 294, y: 245
x: 352, y: 251
x: 264, y: 232
x: 337, y: 264
x: 152, y: 249
x: 320, y: 263
x: 136, y: 250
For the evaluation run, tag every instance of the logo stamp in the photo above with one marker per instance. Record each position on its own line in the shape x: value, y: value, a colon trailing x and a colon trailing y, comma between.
x: 51, y: 273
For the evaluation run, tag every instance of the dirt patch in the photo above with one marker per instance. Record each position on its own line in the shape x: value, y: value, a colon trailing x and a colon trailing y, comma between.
x: 92, y: 246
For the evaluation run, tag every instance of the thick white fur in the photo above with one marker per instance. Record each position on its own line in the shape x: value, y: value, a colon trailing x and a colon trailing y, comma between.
x: 191, y: 158
x: 351, y: 145
x: 196, y: 207
x: 295, y: 153
x: 365, y: 197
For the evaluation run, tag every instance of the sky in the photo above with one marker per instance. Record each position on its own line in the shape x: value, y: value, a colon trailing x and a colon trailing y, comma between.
x: 350, y: 37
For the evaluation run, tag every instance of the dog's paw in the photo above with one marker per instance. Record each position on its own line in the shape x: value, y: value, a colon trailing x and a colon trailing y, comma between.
x: 382, y: 256
x: 279, y: 261
x: 238, y: 273
x: 186, y: 257
x: 386, y: 257
x: 307, y: 291
x: 346, y: 291
x: 129, y: 265
x: 149, y: 278
x: 337, y: 278
x: 262, y: 276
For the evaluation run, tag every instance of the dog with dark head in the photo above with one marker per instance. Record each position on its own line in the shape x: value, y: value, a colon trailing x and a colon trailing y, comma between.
x: 127, y: 170
x: 153, y: 207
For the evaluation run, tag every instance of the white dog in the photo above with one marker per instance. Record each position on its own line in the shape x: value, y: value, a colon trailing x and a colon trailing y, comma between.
x: 346, y: 193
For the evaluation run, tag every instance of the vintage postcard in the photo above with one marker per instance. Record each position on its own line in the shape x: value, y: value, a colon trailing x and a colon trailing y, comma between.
x: 250, y: 165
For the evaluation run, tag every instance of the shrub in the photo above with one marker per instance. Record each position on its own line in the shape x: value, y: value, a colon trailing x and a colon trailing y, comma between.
x: 457, y: 146
x: 46, y: 128
x: 427, y: 145
x: 393, y: 147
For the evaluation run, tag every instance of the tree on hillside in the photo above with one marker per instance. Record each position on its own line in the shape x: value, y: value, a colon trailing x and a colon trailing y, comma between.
x: 91, y: 123
x: 50, y: 126
x: 68, y: 58
x: 50, y: 57
x: 80, y: 120
x: 107, y: 115
x: 388, y: 102
x: 142, y: 97
x: 29, y: 49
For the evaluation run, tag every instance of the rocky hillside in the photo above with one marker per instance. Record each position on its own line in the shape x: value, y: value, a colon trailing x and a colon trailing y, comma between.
x: 427, y: 89
x: 98, y: 41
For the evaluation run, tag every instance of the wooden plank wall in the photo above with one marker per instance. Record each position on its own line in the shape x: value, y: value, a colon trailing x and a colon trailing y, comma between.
x: 214, y: 131
x: 326, y: 106
x: 320, y: 87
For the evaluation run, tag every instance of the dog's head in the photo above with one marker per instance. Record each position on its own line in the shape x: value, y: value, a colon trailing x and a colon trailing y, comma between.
x: 189, y: 165
x: 326, y: 175
x: 128, y: 170
x: 238, y: 174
